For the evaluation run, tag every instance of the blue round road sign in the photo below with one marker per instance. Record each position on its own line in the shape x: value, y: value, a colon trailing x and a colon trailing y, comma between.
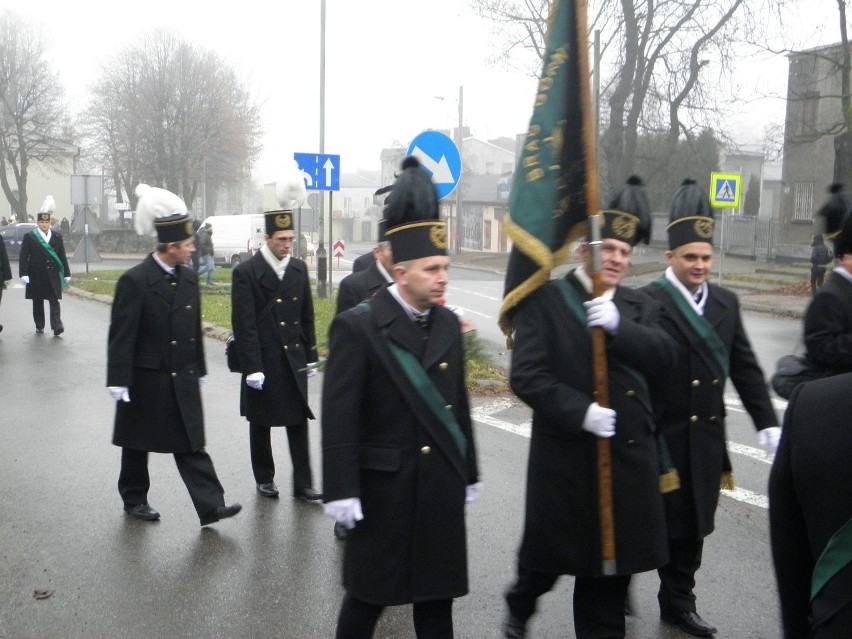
x: 440, y: 157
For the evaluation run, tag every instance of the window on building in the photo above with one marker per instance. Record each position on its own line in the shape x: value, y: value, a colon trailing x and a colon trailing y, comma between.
x: 810, y: 109
x: 486, y: 235
x: 804, y: 205
x: 347, y: 204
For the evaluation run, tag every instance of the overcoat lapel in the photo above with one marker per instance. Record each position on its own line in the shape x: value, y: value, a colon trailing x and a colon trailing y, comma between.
x: 156, y: 277
x: 390, y: 321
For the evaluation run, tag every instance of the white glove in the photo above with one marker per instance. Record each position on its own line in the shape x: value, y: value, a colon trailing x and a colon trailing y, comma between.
x: 119, y: 393
x: 602, y: 312
x: 25, y: 279
x: 255, y: 380
x: 202, y: 381
x: 768, y: 438
x: 599, y: 421
x: 312, y: 369
x: 472, y: 492
x: 67, y: 279
x: 345, y: 511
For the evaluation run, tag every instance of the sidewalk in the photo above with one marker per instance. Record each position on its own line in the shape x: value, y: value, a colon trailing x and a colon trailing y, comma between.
x: 758, y: 283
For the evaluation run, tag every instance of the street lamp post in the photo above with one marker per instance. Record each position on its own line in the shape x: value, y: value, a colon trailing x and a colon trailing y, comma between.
x: 322, y: 259
x: 461, y: 169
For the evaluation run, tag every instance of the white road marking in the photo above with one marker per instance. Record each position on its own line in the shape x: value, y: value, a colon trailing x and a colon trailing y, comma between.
x: 484, y: 415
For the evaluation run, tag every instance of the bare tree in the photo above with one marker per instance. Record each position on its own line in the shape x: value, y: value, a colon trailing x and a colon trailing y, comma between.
x: 653, y: 60
x: 174, y: 115
x: 32, y: 108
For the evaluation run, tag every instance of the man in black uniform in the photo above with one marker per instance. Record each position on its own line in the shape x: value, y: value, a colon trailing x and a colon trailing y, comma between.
x: 272, y: 314
x: 43, y: 268
x: 704, y: 319
x: 399, y: 457
x: 810, y: 511
x: 828, y: 319
x: 362, y: 285
x: 552, y: 371
x: 156, y: 361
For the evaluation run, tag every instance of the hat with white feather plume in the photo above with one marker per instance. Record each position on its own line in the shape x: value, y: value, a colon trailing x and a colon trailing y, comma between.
x: 161, y: 213
x: 47, y: 209
x: 291, y: 193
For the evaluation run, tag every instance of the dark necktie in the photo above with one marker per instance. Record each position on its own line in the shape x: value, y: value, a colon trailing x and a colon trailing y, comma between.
x: 422, y: 320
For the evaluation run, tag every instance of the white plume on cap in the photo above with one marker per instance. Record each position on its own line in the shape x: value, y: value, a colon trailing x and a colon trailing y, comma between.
x: 290, y: 189
x: 48, y: 206
x: 153, y: 203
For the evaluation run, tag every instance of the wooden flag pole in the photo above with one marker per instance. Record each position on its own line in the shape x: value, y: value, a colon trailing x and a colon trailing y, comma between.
x: 605, y: 509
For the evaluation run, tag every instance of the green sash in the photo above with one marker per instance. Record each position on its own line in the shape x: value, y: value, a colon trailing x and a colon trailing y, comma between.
x: 47, y: 247
x: 433, y: 398
x: 699, y: 324
x: 835, y: 557
x: 426, y: 389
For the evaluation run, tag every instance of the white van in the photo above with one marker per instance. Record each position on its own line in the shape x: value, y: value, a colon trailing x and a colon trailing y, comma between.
x: 236, y: 237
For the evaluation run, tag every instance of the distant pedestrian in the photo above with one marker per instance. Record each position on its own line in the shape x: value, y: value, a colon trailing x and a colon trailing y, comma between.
x: 64, y: 225
x: 195, y: 260
x: 156, y: 363
x: 821, y: 257
x: 204, y: 247
x: 44, y: 269
x: 5, y: 270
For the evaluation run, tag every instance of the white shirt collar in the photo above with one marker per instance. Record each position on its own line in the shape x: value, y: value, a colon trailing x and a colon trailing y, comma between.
x: 46, y: 236
x: 586, y: 280
x: 168, y: 269
x: 843, y: 272
x: 690, y: 297
x: 408, y: 308
x: 383, y: 271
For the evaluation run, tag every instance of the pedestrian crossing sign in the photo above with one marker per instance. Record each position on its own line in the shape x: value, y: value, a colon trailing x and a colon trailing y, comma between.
x: 725, y: 190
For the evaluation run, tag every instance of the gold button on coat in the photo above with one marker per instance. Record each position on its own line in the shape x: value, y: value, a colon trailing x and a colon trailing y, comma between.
x: 174, y: 374
x: 694, y: 418
x: 443, y: 366
x: 278, y: 301
x: 426, y: 450
x: 695, y: 382
x: 631, y: 393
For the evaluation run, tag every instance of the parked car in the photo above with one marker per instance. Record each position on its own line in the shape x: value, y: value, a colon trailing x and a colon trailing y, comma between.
x: 306, y: 247
x: 13, y: 235
x: 236, y: 237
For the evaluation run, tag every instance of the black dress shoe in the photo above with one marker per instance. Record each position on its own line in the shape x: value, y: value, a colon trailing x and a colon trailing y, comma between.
x: 222, y: 512
x: 142, y: 511
x: 690, y: 622
x: 307, y: 494
x: 514, y: 627
x: 58, y: 331
x: 268, y: 490
x: 39, y: 330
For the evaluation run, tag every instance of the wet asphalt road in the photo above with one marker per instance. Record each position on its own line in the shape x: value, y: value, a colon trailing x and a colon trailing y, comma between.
x: 272, y: 571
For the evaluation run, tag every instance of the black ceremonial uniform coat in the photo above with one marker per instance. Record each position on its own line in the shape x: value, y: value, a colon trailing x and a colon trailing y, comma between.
x: 41, y: 268
x: 5, y: 267
x: 382, y: 444
x: 810, y: 499
x: 359, y: 286
x: 690, y: 406
x: 156, y: 350
x: 552, y: 372
x: 273, y: 323
x: 828, y: 325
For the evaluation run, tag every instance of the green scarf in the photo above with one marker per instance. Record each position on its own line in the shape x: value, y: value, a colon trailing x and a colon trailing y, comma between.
x: 47, y: 247
x: 834, y: 558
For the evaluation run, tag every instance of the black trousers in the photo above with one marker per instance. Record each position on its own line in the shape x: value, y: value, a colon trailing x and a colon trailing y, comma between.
x: 262, y: 463
x: 677, y: 578
x: 38, y: 313
x: 195, y: 468
x: 358, y: 619
x: 598, y: 601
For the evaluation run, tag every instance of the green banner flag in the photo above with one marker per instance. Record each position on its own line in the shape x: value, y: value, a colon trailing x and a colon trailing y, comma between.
x: 548, y: 204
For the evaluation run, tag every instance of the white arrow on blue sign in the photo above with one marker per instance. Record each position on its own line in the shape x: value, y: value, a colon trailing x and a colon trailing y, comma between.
x: 440, y: 157
x: 321, y: 172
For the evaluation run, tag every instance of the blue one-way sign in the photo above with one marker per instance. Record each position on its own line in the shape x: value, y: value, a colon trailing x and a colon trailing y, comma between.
x: 439, y: 156
x: 321, y: 172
